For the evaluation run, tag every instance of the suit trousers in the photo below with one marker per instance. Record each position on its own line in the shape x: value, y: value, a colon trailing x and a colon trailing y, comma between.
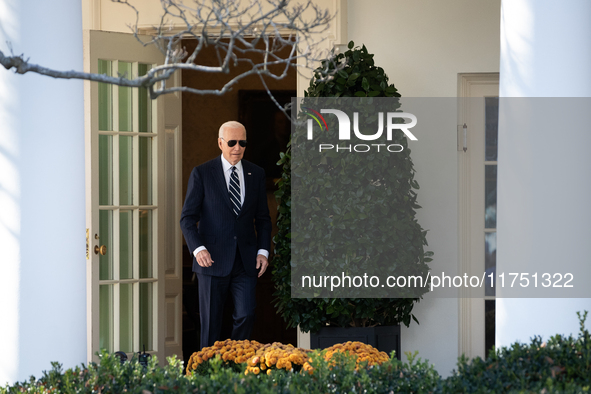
x: 213, y: 291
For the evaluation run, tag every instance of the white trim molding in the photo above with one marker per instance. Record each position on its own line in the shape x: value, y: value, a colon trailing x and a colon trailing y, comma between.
x: 470, y: 310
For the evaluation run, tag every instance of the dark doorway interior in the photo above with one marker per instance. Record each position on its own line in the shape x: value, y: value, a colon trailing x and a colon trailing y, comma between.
x: 271, y: 130
x: 270, y: 126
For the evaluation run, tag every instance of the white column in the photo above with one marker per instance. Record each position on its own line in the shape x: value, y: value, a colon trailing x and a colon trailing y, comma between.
x: 544, y: 173
x: 42, y: 206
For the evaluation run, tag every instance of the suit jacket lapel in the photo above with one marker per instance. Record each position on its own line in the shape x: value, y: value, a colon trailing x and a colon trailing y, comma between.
x: 220, y: 179
x: 247, y: 184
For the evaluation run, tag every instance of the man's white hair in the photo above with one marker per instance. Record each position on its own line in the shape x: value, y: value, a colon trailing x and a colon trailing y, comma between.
x: 232, y: 124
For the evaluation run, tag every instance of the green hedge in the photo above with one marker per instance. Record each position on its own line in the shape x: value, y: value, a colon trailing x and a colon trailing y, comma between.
x: 562, y: 364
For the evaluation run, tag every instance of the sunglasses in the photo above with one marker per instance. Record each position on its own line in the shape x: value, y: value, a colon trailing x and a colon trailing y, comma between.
x: 231, y: 143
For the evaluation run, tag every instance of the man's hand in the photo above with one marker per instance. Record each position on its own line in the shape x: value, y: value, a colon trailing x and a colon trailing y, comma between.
x: 262, y: 263
x: 204, y: 258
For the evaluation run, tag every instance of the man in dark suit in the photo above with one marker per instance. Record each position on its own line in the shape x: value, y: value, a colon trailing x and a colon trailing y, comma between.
x: 227, y: 196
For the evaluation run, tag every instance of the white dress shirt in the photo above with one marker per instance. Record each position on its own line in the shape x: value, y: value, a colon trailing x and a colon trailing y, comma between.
x: 227, y: 167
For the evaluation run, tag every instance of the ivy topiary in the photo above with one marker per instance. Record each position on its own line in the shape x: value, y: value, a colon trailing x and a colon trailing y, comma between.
x: 354, y: 74
x: 351, y: 74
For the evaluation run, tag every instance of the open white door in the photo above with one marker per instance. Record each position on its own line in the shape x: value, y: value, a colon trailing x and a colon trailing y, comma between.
x: 133, y: 263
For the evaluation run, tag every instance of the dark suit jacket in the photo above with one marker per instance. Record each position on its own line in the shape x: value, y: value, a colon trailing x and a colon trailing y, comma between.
x: 219, y: 230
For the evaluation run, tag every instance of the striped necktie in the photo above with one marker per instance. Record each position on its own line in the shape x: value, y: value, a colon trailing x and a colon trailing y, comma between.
x: 235, y: 191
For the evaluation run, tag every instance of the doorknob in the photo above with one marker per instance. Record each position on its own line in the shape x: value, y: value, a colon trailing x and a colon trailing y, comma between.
x: 102, y: 250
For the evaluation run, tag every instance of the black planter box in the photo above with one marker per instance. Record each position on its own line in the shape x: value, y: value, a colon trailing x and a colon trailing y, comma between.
x: 383, y: 338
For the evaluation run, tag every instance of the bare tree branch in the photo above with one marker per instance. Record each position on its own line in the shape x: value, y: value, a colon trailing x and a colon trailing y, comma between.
x: 238, y: 30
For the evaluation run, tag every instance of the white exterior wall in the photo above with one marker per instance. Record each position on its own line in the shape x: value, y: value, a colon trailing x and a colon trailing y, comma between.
x: 42, y: 222
x: 545, y: 52
x: 423, y: 45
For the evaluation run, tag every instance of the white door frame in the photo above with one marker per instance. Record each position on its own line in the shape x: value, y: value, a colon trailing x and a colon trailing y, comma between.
x: 172, y: 318
x: 471, y: 339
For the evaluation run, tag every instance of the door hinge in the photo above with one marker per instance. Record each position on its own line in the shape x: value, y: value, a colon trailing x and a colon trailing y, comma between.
x: 462, y: 137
